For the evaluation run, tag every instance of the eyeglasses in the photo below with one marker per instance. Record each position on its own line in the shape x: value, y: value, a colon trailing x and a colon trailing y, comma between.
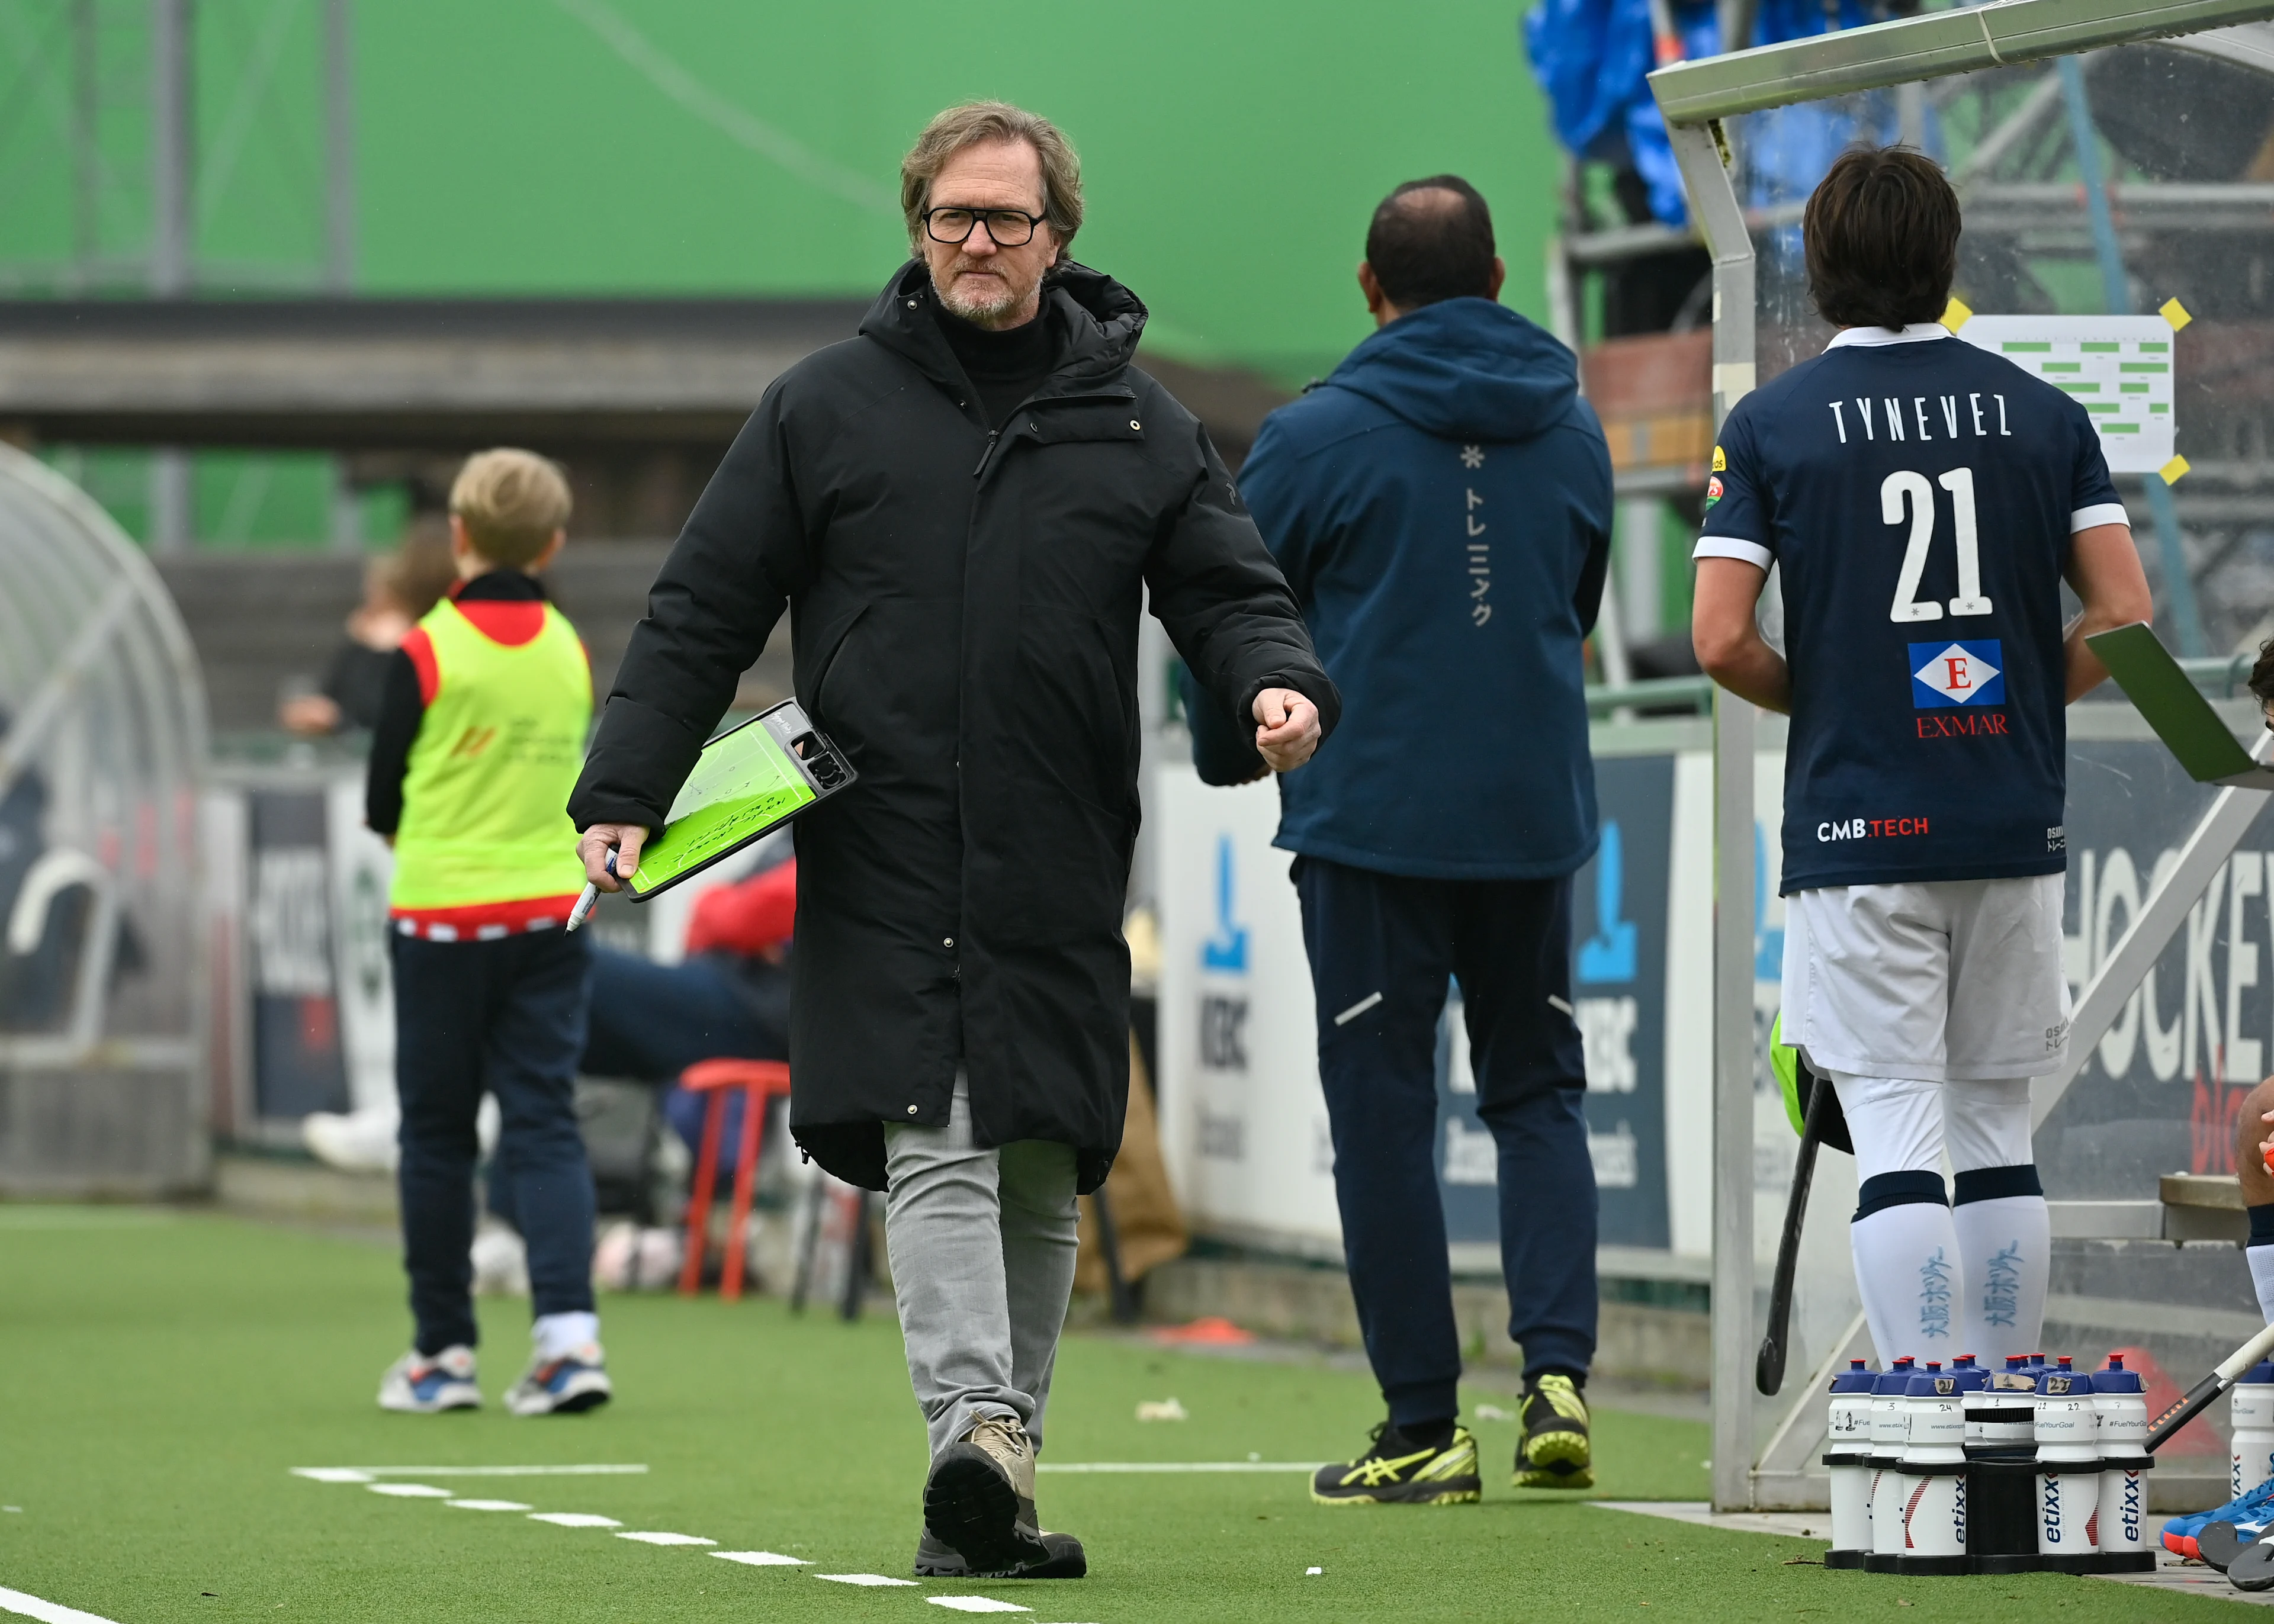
x: 1006, y: 228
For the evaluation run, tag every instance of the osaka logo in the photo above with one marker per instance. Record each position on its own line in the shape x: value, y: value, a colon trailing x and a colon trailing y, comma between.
x: 1957, y: 673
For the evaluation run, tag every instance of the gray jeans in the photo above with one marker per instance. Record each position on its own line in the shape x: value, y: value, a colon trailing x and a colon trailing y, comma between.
x: 983, y: 1249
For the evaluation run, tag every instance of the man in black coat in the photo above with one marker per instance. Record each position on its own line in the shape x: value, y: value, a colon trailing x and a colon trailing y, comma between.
x: 962, y: 510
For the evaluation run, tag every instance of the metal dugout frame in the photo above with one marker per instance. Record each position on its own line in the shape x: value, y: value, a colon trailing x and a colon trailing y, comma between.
x: 105, y: 707
x: 1695, y: 97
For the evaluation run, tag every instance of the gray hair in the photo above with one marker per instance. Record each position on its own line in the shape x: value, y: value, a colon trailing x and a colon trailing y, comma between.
x: 973, y: 124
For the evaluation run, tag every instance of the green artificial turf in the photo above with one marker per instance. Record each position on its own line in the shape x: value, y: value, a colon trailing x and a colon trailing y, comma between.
x: 163, y: 1373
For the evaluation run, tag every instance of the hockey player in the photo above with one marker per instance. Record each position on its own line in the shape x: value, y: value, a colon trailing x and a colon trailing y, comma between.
x: 1922, y: 500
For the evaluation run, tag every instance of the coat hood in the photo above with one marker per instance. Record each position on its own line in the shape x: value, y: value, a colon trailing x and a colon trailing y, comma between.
x: 1098, y: 320
x: 1465, y: 369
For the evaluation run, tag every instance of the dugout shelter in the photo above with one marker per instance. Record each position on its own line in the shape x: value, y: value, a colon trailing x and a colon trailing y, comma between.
x: 103, y: 996
x: 2115, y: 158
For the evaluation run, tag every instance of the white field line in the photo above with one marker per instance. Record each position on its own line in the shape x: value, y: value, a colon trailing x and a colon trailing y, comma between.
x: 46, y: 1612
x: 32, y: 1607
x: 1177, y: 1466
x: 868, y: 1579
x: 365, y: 1474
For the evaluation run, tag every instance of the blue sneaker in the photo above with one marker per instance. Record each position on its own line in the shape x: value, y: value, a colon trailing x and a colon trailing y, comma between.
x: 2251, y: 1509
x: 2178, y: 1535
x: 561, y: 1386
x: 418, y: 1384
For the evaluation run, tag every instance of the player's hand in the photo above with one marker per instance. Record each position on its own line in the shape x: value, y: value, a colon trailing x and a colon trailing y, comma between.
x: 309, y: 715
x: 1287, y: 728
x: 594, y: 844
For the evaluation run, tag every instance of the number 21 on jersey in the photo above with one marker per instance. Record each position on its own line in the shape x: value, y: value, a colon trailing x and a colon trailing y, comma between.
x: 1908, y: 490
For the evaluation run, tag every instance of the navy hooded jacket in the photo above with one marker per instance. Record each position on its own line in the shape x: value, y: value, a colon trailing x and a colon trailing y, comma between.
x: 1441, y: 508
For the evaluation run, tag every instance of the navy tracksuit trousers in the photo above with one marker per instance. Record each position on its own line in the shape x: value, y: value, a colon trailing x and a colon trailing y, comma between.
x: 1396, y: 941
x: 504, y: 1017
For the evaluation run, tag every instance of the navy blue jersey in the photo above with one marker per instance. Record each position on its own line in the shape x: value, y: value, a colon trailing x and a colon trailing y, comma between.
x: 1917, y: 495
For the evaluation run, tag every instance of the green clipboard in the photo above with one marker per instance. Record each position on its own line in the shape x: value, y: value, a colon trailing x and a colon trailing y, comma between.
x: 748, y: 782
x: 2176, y: 709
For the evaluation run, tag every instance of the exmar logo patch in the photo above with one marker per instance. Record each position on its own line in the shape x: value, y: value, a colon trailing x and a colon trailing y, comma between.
x: 1957, y: 673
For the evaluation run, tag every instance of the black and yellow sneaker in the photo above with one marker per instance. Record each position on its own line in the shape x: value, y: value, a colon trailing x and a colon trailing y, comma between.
x: 1555, y: 1452
x: 1398, y: 1471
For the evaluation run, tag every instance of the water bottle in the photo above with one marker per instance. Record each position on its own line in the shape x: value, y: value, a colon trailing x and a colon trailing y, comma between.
x: 1848, y: 1455
x: 2251, y: 1457
x: 1890, y: 1426
x: 2120, y: 1404
x: 2001, y: 1471
x: 1932, y: 1476
x: 2068, y: 1470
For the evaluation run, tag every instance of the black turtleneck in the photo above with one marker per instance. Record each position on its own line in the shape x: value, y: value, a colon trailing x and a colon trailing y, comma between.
x: 1006, y: 366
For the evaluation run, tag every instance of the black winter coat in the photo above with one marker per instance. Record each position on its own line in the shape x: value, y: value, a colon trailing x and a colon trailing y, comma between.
x: 963, y: 613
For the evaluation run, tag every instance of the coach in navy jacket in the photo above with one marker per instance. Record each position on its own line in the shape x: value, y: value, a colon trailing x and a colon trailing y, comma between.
x: 1442, y: 509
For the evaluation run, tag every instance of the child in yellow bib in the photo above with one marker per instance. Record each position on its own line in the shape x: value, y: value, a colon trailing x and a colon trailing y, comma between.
x: 480, y: 737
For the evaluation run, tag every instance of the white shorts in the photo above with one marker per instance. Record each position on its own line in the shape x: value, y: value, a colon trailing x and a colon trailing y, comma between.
x: 1904, y: 1126
x: 1931, y: 980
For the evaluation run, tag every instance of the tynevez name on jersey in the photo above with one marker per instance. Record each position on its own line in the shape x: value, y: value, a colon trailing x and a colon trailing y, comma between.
x: 1916, y: 496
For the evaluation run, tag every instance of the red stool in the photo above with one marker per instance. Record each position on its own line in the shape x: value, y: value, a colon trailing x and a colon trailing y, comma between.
x: 760, y: 1080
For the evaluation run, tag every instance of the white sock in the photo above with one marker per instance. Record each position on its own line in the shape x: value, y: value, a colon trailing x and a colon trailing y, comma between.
x: 1908, y: 1271
x: 2007, y: 1245
x: 2262, y: 1276
x: 556, y: 1334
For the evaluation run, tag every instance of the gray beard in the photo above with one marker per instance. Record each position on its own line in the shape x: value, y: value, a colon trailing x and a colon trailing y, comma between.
x: 977, y: 311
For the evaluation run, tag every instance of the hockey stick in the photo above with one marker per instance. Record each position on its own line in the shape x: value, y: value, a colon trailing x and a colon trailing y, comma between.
x: 1768, y: 1364
x: 2200, y: 1396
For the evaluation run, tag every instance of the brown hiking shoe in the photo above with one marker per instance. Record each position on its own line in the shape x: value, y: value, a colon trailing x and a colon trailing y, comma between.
x: 979, y: 1499
x: 936, y: 1559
